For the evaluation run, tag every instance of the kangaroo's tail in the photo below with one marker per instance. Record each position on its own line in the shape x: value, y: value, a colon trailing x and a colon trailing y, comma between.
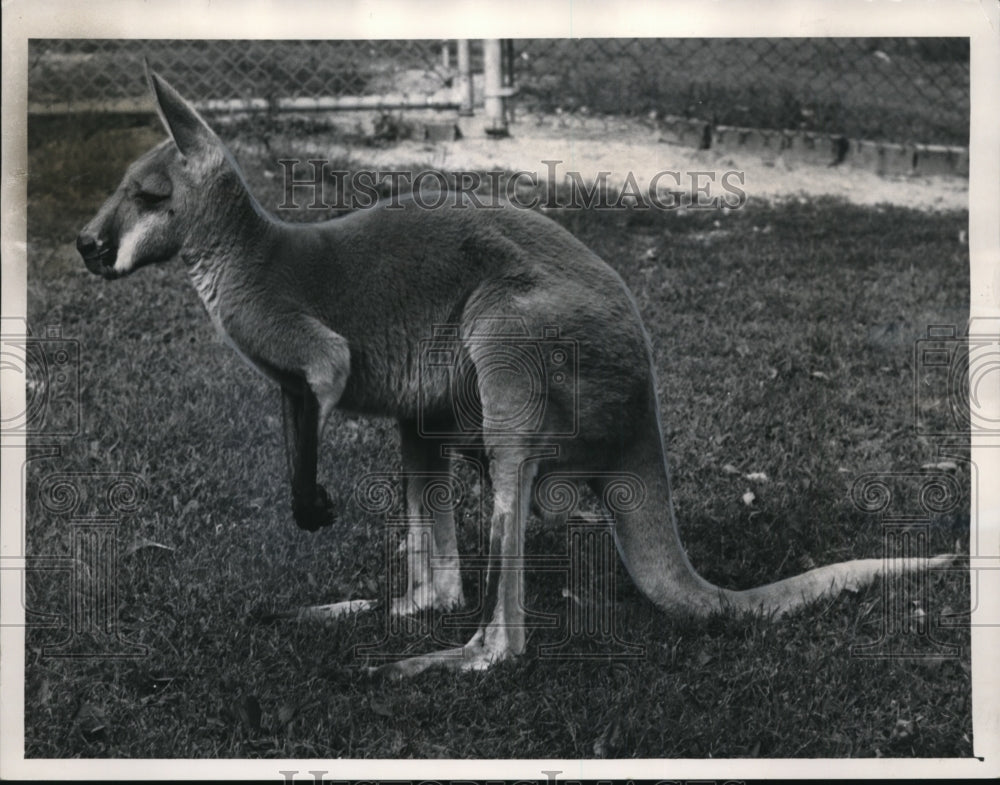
x: 649, y: 543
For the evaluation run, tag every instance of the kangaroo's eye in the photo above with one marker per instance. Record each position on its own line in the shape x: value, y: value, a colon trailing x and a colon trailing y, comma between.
x: 153, y: 189
x: 149, y: 199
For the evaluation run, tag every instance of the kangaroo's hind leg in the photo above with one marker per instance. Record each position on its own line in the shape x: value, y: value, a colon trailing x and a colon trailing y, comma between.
x: 433, y: 575
x: 501, y: 632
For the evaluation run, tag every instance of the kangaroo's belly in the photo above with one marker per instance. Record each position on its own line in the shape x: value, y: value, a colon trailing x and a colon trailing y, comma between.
x: 395, y: 386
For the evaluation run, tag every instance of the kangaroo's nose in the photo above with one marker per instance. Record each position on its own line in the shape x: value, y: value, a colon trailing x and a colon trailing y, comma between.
x: 98, y: 256
x: 86, y: 244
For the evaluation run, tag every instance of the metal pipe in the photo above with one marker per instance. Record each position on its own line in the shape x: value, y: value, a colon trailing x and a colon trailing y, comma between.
x: 464, y: 79
x: 493, y: 92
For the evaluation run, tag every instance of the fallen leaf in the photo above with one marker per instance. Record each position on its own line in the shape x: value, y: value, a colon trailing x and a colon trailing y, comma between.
x: 286, y: 714
x: 609, y: 742
x: 92, y: 721
x: 396, y: 743
x: 903, y: 729
x: 142, y: 543
x: 151, y: 685
x: 570, y: 595
x: 945, y: 466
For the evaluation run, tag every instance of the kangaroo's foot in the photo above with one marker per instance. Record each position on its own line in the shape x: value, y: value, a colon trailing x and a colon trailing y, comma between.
x: 407, y: 605
x: 480, y: 653
x: 443, y: 594
x: 316, y: 613
x: 437, y: 588
x: 333, y: 611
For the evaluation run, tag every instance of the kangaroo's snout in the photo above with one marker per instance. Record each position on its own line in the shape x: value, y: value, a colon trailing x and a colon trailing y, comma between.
x: 97, y: 255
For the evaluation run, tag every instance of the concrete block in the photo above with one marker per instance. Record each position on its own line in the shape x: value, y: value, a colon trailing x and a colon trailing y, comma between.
x: 687, y: 132
x: 759, y: 141
x: 940, y: 159
x: 863, y: 154
x: 896, y: 158
x: 809, y: 147
x: 724, y: 139
x: 734, y: 139
x: 441, y: 132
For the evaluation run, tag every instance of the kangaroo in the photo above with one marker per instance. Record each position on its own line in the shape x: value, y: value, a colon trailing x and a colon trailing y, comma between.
x: 338, y: 313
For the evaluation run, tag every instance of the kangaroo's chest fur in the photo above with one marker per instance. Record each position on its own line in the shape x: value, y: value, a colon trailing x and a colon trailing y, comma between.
x: 222, y: 302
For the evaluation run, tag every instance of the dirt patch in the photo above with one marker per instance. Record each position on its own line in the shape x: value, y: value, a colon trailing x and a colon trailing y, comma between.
x: 620, y: 147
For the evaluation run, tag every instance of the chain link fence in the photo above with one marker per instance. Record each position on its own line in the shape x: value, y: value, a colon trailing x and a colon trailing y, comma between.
x: 101, y: 75
x: 892, y: 89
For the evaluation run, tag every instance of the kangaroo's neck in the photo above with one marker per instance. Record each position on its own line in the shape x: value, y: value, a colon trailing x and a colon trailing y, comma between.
x: 230, y: 229
x: 228, y: 241
x: 229, y: 226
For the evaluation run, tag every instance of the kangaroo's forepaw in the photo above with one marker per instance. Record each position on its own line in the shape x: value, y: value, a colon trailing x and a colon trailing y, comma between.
x: 314, y: 515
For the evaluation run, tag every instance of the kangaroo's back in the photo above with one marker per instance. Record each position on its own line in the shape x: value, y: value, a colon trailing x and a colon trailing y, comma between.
x: 420, y: 260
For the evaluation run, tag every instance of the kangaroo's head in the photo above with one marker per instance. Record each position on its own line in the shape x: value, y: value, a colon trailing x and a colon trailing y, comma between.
x: 164, y: 196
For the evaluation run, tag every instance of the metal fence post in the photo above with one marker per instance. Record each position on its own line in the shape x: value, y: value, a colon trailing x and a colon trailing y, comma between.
x: 493, y: 93
x: 464, y: 79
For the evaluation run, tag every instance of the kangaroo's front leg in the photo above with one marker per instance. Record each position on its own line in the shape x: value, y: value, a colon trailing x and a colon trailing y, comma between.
x: 307, y: 399
x: 311, y: 504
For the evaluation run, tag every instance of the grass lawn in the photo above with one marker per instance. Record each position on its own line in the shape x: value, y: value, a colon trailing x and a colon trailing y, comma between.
x: 783, y: 340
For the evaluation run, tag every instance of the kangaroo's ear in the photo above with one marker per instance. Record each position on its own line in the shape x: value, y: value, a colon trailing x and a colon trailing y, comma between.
x: 186, y: 127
